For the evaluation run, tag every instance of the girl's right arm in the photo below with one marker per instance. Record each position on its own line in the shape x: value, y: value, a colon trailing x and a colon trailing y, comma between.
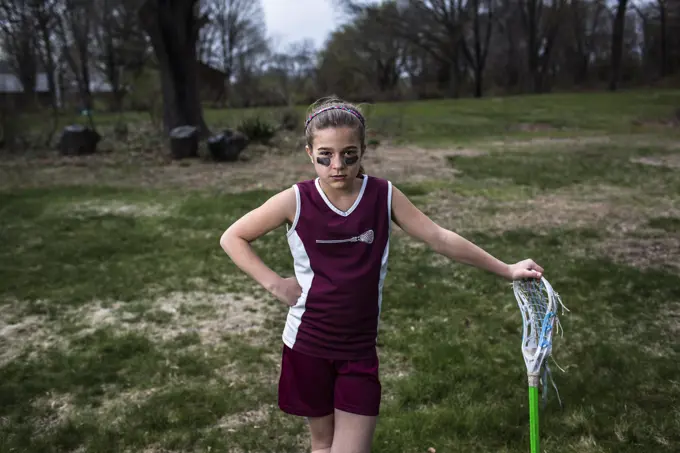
x: 235, y: 241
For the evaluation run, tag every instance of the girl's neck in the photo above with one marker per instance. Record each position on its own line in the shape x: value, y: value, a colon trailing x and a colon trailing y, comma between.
x: 348, y: 191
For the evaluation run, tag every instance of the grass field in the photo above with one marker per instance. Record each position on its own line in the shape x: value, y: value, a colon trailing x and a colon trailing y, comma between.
x: 125, y: 327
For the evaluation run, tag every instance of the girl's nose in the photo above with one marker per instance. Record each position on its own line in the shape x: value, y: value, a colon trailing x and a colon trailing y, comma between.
x: 338, y: 161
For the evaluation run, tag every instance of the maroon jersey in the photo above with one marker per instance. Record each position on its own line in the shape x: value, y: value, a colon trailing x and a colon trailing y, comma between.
x: 340, y: 260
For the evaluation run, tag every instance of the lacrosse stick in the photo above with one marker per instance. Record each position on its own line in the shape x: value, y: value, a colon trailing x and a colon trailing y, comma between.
x: 538, y: 304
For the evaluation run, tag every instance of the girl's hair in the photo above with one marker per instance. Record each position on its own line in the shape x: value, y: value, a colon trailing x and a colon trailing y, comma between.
x: 334, y: 112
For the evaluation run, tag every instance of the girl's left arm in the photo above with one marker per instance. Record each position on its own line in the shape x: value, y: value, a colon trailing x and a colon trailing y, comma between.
x: 445, y: 242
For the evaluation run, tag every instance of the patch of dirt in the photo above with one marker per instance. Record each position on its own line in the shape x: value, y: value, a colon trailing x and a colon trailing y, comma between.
x: 259, y: 168
x: 552, y: 141
x: 667, y: 122
x: 670, y: 161
x: 614, y: 208
x: 476, y: 213
x: 209, y: 315
x: 411, y: 163
x: 115, y: 404
x: 643, y: 253
x: 671, y: 314
x: 112, y: 409
x: 618, y: 211
x: 104, y: 207
x: 19, y: 333
x: 266, y: 376
x: 256, y: 417
x: 577, y: 142
x: 465, y: 152
x: 534, y: 127
x: 59, y: 406
x: 154, y: 449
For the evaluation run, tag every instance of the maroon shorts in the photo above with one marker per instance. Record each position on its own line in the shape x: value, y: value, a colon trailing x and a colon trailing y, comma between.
x: 314, y: 387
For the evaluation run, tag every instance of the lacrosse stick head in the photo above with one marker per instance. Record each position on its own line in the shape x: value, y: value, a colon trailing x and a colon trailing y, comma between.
x: 538, y: 304
x: 367, y: 237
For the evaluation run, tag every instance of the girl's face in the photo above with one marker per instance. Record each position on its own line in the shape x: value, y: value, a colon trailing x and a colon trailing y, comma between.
x: 336, y: 156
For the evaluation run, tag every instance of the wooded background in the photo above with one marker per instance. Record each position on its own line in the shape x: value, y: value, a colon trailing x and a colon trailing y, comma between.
x: 130, y: 54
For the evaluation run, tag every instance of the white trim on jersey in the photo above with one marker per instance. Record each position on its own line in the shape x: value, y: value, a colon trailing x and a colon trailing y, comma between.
x: 305, y: 275
x: 332, y: 207
x: 290, y: 230
x: 386, y: 253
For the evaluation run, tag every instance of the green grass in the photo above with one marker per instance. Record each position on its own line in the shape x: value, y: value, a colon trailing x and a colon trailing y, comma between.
x: 99, y: 353
x: 433, y: 123
x: 670, y: 224
x: 557, y: 169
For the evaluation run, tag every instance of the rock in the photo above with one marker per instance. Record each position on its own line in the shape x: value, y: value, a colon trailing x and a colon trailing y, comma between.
x: 184, y: 142
x: 227, y: 145
x: 78, y: 140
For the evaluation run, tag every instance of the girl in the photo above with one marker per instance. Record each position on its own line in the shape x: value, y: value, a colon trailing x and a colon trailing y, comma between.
x: 338, y: 230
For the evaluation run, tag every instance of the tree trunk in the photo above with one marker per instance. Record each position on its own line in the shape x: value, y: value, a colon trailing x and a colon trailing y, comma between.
x: 173, y: 29
x: 48, y: 63
x: 617, y: 44
x: 480, y: 44
x: 531, y: 13
x: 663, y: 16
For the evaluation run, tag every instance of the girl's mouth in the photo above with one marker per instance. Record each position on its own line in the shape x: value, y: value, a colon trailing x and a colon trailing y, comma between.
x: 338, y: 177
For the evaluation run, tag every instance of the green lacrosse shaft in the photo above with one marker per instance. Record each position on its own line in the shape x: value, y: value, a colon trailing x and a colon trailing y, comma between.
x: 533, y: 417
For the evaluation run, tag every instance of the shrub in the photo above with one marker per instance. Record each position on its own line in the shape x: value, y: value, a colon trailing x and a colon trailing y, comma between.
x: 290, y: 120
x: 257, y: 129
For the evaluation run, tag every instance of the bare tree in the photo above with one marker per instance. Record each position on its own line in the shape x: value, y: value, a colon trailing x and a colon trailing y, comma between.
x: 617, y: 43
x: 455, y: 32
x: 75, y: 28
x: 541, y: 20
x: 584, y: 19
x: 482, y: 21
x: 234, y: 33
x: 45, y: 19
x: 371, y: 57
x: 173, y: 27
x: 660, y: 17
x: 121, y: 44
x: 19, y: 42
x: 383, y: 54
x: 292, y: 68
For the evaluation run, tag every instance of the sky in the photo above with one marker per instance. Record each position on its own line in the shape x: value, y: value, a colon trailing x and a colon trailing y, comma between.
x: 290, y: 21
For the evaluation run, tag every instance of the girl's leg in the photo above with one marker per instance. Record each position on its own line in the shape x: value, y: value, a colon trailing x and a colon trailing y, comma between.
x: 321, y: 429
x: 306, y: 390
x: 353, y: 432
x: 357, y: 405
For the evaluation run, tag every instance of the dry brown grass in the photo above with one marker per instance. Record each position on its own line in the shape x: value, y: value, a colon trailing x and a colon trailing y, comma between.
x: 643, y: 253
x: 256, y: 418
x: 209, y: 315
x: 20, y: 332
x: 578, y: 142
x: 113, y: 207
x: 259, y: 168
x: 60, y: 408
x: 265, y: 168
x: 671, y: 314
x: 622, y: 213
x: 669, y: 160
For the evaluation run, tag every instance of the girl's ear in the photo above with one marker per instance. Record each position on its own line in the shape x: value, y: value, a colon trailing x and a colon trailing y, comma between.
x: 309, y: 152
